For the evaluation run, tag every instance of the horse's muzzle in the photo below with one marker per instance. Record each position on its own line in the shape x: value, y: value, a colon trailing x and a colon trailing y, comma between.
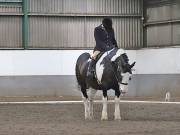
x: 123, y: 92
x: 124, y: 87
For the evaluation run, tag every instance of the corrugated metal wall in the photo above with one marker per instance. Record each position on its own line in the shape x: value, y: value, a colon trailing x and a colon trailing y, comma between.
x: 10, y: 9
x: 10, y: 32
x: 10, y: 25
x: 70, y: 24
x: 78, y: 32
x: 86, y: 6
x: 162, y: 22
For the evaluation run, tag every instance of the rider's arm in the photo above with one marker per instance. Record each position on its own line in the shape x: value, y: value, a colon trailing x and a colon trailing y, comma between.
x: 114, y: 40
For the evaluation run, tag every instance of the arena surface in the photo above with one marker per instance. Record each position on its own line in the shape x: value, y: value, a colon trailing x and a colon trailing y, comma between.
x: 68, y: 119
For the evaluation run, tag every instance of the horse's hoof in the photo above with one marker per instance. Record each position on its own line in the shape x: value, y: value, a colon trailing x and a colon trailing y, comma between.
x: 91, y: 117
x: 88, y: 118
x: 117, y: 118
x: 104, y: 118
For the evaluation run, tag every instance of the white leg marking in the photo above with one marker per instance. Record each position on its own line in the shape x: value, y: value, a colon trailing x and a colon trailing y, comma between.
x: 117, y: 115
x: 104, y: 110
x: 91, y: 115
x: 86, y: 108
x: 91, y: 98
x: 168, y: 96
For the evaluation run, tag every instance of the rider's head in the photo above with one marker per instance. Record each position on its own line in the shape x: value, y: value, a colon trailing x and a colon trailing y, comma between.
x: 107, y: 23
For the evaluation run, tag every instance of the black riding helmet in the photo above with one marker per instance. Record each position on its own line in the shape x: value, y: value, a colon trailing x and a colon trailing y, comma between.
x: 107, y: 23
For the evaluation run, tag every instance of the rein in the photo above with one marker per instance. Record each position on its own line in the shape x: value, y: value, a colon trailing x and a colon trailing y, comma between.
x: 113, y: 68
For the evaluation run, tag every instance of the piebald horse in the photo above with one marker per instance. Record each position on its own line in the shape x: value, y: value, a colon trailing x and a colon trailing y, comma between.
x: 113, y: 71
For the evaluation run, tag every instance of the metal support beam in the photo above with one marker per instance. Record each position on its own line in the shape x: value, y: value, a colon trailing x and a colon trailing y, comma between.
x: 11, y: 3
x: 85, y: 15
x: 142, y: 21
x: 161, y: 22
x: 11, y: 14
x: 25, y: 24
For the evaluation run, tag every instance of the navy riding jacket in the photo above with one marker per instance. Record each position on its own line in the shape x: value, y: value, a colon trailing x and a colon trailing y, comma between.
x: 105, y: 41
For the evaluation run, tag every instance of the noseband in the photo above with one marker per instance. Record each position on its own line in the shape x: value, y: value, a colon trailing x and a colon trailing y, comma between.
x: 124, y: 83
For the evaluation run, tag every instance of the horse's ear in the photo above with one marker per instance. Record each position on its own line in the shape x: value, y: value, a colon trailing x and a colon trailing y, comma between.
x: 124, y: 59
x: 132, y: 65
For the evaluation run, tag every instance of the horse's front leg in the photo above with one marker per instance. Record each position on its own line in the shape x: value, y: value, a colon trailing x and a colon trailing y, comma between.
x: 117, y: 115
x: 104, y: 110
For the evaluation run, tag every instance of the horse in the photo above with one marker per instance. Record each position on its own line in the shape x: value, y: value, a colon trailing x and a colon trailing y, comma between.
x: 113, y: 71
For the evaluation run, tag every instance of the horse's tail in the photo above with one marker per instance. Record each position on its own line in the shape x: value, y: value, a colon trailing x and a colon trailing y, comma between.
x: 79, y: 76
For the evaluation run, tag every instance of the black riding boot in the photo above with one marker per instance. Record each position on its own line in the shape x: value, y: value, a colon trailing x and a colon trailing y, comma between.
x: 91, y: 68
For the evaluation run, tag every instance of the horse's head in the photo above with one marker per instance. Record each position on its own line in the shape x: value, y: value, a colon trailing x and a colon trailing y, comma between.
x: 123, y: 71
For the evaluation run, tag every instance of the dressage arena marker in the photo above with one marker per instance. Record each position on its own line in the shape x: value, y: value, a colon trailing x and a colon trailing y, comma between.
x: 81, y: 102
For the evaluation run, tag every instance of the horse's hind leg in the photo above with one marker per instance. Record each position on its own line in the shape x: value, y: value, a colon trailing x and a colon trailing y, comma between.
x: 92, y: 93
x: 86, y: 102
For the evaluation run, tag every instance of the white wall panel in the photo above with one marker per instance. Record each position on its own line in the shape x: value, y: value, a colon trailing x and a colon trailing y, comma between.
x: 62, y: 62
x: 158, y: 61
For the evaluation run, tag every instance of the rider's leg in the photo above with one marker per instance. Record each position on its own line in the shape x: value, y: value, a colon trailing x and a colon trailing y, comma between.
x: 92, y: 63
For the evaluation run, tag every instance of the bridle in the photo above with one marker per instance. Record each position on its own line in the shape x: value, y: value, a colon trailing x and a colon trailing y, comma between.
x: 119, y: 69
x: 124, y: 83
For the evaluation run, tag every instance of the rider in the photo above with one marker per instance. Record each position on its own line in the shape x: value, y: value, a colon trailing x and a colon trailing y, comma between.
x: 105, y: 41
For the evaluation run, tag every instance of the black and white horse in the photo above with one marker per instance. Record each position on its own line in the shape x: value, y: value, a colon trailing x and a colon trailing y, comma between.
x: 113, y: 71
